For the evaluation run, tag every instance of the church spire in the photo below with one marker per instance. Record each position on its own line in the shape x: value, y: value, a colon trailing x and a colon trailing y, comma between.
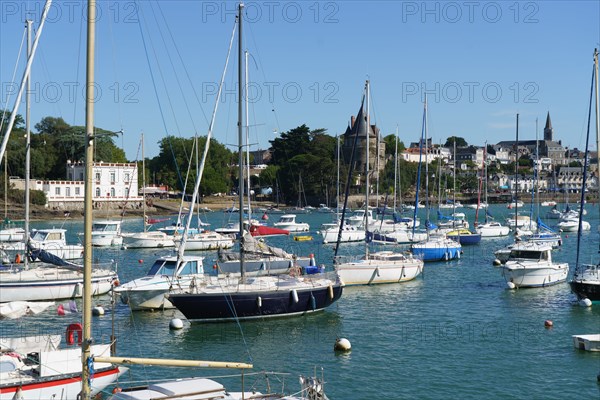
x: 548, y: 128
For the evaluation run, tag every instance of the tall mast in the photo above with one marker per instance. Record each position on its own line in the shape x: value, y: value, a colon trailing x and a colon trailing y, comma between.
x: 247, y: 138
x: 516, y: 175
x: 367, y: 182
x: 454, y: 184
x: 144, y: 185
x: 597, y: 106
x: 241, y: 142
x: 395, y: 168
x: 87, y: 221
x: 426, y: 173
x: 27, y: 143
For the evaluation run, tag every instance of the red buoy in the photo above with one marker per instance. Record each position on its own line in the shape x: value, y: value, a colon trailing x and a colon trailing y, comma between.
x: 140, y: 261
x: 548, y: 323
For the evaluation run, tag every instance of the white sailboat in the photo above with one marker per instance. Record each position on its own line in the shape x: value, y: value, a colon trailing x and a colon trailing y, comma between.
x: 50, y: 372
x: 375, y: 267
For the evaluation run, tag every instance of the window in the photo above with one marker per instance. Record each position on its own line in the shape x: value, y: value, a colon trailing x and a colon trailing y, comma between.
x: 126, y: 192
x: 97, y: 176
x: 77, y: 191
x: 112, y: 177
x: 81, y: 176
x: 57, y: 191
x: 112, y: 192
x: 126, y: 177
x: 68, y: 191
x: 97, y: 192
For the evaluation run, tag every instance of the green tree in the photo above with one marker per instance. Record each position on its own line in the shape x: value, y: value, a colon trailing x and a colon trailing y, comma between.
x: 460, y: 142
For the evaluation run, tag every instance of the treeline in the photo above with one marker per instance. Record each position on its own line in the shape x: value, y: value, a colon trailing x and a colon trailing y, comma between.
x: 303, y: 168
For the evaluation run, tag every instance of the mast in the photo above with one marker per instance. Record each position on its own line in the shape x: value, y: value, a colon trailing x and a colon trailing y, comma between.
x: 337, y: 197
x: 454, y: 186
x: 27, y: 143
x: 241, y: 143
x: 87, y: 221
x: 367, y: 182
x: 516, y: 175
x: 536, y: 171
x: 597, y: 106
x: 395, y: 168
x: 426, y: 173
x: 247, y: 137
x: 144, y: 185
x: 419, y: 174
x: 481, y: 177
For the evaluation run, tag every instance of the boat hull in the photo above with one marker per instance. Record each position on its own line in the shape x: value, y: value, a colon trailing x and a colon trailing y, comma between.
x: 21, y: 287
x: 61, y: 387
x: 586, y: 290
x: 348, y: 235
x: 143, y: 240
x: 437, y: 251
x: 215, y: 307
x: 370, y: 272
x: 535, y: 276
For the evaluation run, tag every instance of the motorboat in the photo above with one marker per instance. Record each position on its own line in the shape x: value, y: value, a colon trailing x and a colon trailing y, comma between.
x: 572, y: 225
x: 51, y: 240
x: 492, y: 229
x: 107, y: 233
x: 531, y: 265
x: 288, y: 222
x: 168, y: 274
x: 349, y: 233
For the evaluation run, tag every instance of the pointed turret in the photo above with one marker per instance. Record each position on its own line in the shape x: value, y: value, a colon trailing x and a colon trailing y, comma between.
x: 548, y: 128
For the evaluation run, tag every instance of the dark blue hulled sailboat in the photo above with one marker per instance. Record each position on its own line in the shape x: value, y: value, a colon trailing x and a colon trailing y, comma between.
x: 235, y: 298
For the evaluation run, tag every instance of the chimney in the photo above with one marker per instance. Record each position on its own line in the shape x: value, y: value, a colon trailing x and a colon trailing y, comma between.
x: 352, y: 120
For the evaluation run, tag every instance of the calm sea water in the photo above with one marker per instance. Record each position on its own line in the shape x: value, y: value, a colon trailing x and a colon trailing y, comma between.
x: 455, y: 332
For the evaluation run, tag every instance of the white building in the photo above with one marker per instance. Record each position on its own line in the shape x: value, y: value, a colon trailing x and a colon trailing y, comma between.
x: 115, y: 184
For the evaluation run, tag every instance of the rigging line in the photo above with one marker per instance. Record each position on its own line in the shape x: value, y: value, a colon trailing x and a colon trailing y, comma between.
x: 585, y: 168
x: 182, y: 63
x: 4, y: 108
x: 160, y: 108
x: 162, y: 75
x: 116, y: 76
x: 79, y: 48
x: 175, y: 75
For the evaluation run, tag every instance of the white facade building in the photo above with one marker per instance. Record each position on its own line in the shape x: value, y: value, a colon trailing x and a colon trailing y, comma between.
x: 113, y: 183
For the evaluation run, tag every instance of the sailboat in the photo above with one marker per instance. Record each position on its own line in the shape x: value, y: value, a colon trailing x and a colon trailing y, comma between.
x: 586, y: 279
x: 146, y: 238
x: 489, y: 228
x: 435, y: 247
x: 62, y: 279
x: 382, y: 266
x: 36, y: 368
x: 232, y: 299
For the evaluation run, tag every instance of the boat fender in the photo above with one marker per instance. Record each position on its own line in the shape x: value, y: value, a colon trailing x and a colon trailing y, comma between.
x: 313, y: 302
x: 312, y: 262
x: 458, y: 254
x: 295, y: 295
x: 73, y: 329
x: 330, y: 290
x: 18, y: 259
x: 446, y: 256
x: 585, y: 302
x: 259, y: 301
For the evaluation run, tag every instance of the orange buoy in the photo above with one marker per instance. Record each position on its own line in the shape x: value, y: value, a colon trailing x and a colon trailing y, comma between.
x: 548, y: 323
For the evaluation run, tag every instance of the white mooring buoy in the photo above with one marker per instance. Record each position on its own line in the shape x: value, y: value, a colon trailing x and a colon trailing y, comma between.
x: 98, y: 310
x: 342, y: 344
x: 585, y: 302
x: 175, y: 324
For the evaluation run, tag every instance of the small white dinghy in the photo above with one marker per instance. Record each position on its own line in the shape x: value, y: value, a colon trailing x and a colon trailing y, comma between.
x: 587, y: 342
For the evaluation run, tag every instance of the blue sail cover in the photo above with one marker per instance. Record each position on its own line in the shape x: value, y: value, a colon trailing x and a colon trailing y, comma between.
x: 49, y: 258
x: 543, y: 226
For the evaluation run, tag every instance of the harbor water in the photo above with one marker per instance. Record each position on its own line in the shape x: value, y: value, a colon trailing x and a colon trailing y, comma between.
x: 454, y: 332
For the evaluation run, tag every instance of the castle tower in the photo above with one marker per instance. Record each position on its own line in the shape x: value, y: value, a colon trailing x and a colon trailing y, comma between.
x: 548, y: 128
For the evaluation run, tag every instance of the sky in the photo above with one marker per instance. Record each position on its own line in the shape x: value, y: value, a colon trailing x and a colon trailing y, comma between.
x: 158, y: 64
